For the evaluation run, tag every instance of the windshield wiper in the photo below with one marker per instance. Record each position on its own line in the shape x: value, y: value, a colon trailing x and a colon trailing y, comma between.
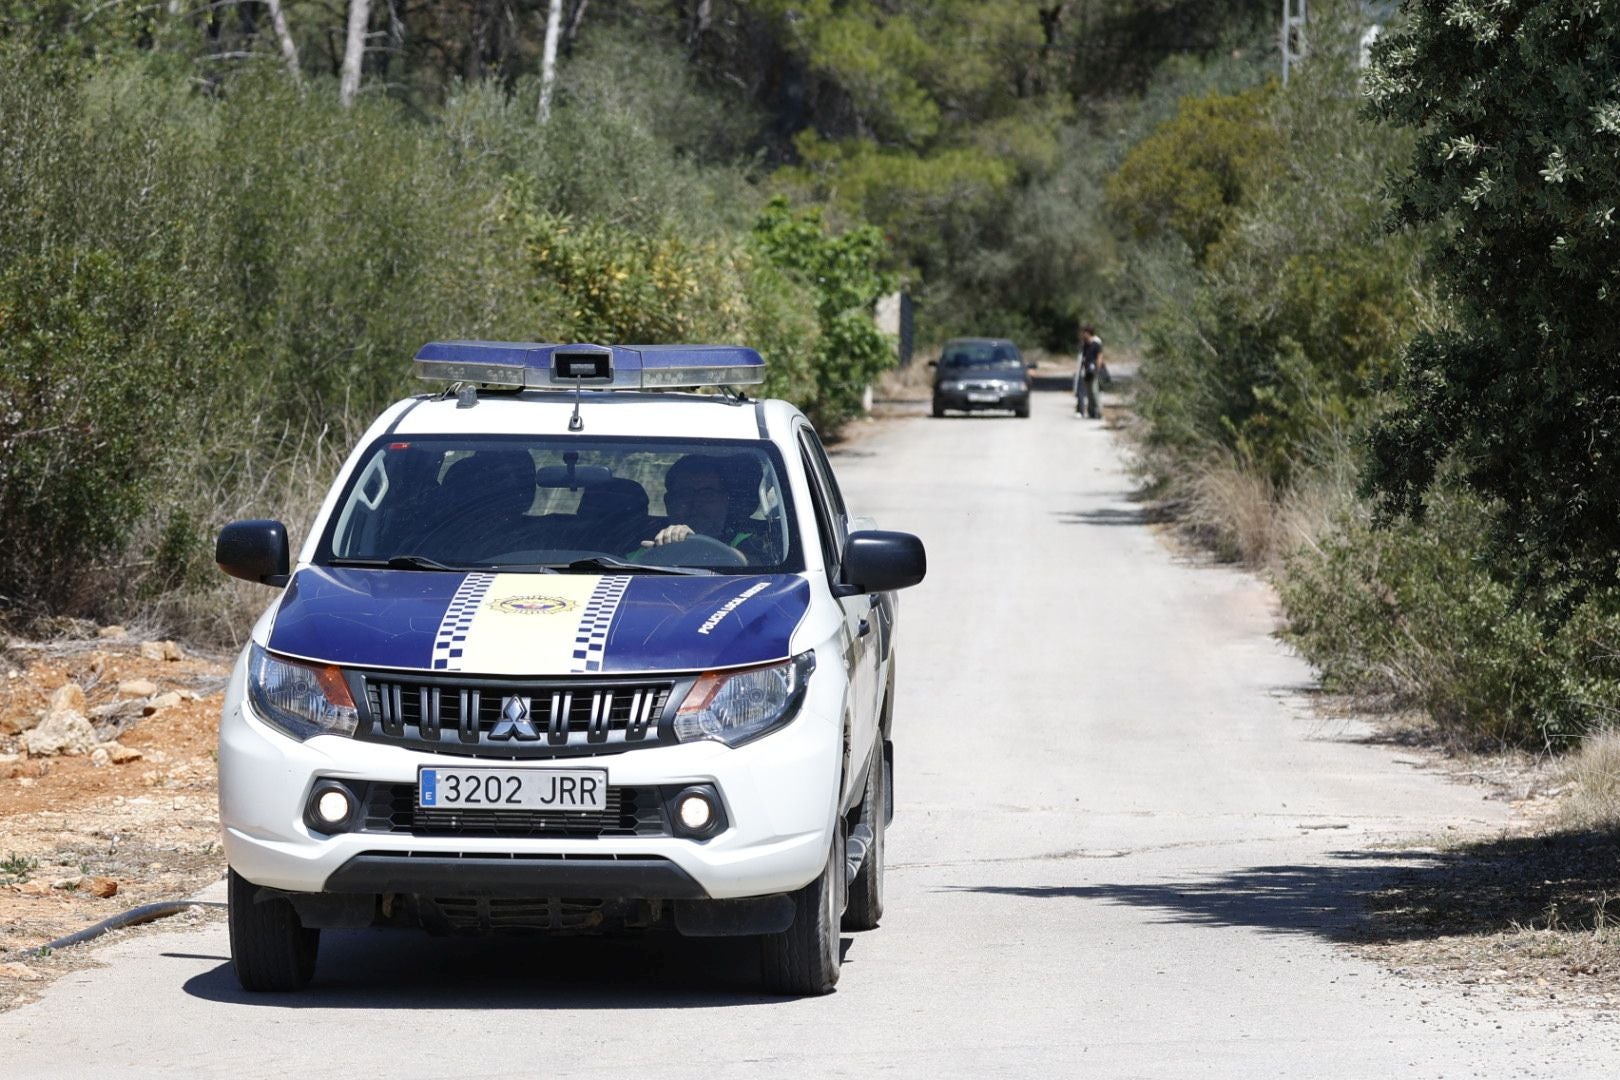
x: 606, y: 562
x: 397, y: 562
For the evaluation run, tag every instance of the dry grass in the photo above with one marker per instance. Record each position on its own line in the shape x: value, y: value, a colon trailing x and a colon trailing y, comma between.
x: 1239, y: 513
x: 1233, y: 510
x: 914, y: 382
x: 1593, y: 775
x: 279, y: 474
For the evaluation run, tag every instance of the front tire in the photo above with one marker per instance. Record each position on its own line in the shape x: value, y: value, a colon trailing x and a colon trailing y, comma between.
x: 270, y: 949
x: 866, y: 891
x: 804, y: 960
x: 939, y: 409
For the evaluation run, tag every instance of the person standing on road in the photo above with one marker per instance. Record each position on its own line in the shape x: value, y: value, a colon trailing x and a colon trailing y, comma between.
x: 1085, y: 378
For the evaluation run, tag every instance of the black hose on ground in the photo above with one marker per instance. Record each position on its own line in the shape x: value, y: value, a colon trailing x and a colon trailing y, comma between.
x: 133, y: 917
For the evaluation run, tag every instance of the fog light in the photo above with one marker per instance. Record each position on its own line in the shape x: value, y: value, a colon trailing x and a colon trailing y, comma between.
x: 332, y: 807
x: 696, y: 812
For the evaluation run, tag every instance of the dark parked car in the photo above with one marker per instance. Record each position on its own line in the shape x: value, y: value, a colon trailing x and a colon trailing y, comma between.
x: 980, y: 373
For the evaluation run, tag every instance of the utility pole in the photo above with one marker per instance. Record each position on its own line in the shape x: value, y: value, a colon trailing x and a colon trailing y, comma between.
x: 1293, y: 35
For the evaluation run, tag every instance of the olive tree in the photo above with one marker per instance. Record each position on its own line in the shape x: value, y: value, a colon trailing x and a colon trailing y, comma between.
x: 1517, y: 107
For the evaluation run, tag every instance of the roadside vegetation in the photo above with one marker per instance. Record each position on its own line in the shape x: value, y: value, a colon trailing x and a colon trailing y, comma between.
x: 1375, y: 309
x: 1377, y: 357
x: 227, y: 228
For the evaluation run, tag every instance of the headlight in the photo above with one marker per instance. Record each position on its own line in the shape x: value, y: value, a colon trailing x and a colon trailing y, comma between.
x: 735, y: 706
x: 301, y: 699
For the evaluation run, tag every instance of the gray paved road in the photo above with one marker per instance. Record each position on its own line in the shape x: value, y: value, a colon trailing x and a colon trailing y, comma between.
x: 1123, y: 844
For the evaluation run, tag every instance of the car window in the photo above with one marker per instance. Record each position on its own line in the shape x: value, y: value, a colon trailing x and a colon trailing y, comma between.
x: 479, y: 501
x: 979, y: 354
x: 831, y: 517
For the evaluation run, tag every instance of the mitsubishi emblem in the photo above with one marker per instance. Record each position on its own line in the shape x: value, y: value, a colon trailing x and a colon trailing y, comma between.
x: 515, y: 723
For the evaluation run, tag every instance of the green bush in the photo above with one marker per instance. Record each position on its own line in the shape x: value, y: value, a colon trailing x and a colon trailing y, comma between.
x: 353, y: 238
x: 1513, y: 107
x: 1415, y: 612
x: 1189, y: 176
x: 1291, y: 300
x: 841, y: 273
x: 102, y: 360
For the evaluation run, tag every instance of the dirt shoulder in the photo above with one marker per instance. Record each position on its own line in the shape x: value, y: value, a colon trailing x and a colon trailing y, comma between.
x: 83, y: 836
x: 1529, y: 916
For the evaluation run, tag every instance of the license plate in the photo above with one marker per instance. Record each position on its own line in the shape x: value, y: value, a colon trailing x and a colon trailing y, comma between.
x: 983, y: 397
x: 512, y: 789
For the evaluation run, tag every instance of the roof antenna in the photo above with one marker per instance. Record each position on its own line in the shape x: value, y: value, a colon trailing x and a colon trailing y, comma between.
x: 574, y: 422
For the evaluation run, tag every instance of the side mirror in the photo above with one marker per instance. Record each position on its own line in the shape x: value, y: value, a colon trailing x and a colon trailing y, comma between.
x: 254, y: 551
x: 877, y: 561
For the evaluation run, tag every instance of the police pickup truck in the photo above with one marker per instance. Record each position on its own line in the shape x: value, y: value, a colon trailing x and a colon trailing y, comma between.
x: 587, y: 641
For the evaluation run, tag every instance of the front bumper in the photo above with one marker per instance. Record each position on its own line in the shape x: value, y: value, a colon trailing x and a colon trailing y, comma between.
x: 614, y: 878
x: 963, y: 401
x: 779, y: 795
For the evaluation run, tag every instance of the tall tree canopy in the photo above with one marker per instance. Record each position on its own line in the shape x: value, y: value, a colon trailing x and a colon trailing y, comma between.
x: 1518, y: 106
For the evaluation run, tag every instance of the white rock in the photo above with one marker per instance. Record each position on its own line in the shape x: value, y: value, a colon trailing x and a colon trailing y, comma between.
x: 161, y: 702
x: 137, y: 688
x: 162, y: 650
x: 68, y: 698
x: 118, y: 753
x: 60, y: 733
x: 111, y: 631
x: 100, y: 758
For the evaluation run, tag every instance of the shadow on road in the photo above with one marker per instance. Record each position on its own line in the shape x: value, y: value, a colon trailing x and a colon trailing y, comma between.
x: 1107, y: 515
x: 1143, y: 512
x: 404, y: 969
x: 1561, y: 881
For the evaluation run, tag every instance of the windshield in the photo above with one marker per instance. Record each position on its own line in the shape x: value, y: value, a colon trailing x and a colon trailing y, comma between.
x: 536, y: 503
x: 980, y: 354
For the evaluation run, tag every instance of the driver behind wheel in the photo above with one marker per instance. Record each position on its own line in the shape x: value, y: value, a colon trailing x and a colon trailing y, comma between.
x: 699, y: 503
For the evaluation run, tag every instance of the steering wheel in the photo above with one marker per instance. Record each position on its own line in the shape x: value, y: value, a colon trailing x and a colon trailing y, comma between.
x: 696, y: 549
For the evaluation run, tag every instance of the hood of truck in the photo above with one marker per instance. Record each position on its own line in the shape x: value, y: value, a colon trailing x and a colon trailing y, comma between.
x: 536, y: 624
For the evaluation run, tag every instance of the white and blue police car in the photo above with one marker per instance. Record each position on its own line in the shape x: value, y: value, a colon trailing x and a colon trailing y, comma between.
x: 586, y: 641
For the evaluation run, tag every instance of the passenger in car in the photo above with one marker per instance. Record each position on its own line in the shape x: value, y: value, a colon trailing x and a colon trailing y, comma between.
x: 480, y: 508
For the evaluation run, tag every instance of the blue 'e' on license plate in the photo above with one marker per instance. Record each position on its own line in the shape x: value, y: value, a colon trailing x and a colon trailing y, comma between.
x: 512, y: 789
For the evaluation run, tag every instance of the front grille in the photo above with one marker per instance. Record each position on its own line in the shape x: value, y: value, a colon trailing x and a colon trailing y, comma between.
x: 516, y: 719
x: 630, y: 811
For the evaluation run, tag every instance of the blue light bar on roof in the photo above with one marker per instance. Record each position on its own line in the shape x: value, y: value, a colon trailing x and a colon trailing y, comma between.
x: 538, y: 366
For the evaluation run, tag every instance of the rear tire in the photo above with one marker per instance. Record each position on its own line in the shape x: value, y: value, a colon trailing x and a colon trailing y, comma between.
x: 803, y: 960
x: 270, y: 949
x: 866, y: 891
x: 939, y: 410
